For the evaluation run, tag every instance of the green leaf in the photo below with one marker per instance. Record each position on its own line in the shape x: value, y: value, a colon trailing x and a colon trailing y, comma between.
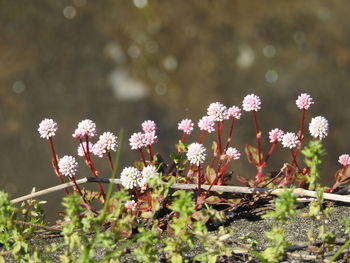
x: 139, y: 165
x: 210, y: 174
x: 252, y: 154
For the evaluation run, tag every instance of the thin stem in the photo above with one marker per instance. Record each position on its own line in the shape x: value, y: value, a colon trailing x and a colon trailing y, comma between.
x: 220, y: 124
x: 78, y: 190
x: 301, y: 131
x: 258, y: 135
x: 91, y: 164
x: 202, y: 136
x: 55, y: 164
x: 295, y: 163
x: 150, y: 153
x: 110, y: 161
x: 272, y: 148
x: 218, y: 177
x: 183, y: 136
x: 302, y: 124
x: 214, y: 157
x: 229, y: 139
x: 142, y: 157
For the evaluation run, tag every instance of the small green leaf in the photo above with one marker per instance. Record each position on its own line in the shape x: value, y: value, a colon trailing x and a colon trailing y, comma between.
x: 210, y: 174
x: 252, y: 154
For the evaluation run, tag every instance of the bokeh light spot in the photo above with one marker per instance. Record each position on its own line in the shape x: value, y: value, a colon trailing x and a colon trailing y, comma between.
x: 18, y: 87
x: 140, y: 3
x: 69, y: 12
x: 269, y: 51
x: 170, y: 63
x: 271, y: 76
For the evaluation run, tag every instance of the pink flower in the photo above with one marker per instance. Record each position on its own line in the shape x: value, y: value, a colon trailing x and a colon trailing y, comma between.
x: 186, y: 126
x: 85, y: 128
x: 131, y: 205
x: 137, y: 141
x: 251, y: 102
x: 150, y: 138
x: 106, y: 143
x: 233, y: 153
x: 80, y: 150
x: 149, y: 126
x: 318, y: 127
x: 47, y: 128
x: 196, y: 153
x: 290, y: 140
x: 276, y: 135
x: 234, y: 112
x: 207, y: 124
x: 304, y: 101
x: 344, y: 159
x: 217, y: 111
x: 68, y: 166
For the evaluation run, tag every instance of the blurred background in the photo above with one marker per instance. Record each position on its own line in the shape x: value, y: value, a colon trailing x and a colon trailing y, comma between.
x: 121, y: 62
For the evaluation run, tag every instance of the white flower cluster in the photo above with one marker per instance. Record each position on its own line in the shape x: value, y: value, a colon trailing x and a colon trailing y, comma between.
x: 196, y: 153
x: 131, y: 177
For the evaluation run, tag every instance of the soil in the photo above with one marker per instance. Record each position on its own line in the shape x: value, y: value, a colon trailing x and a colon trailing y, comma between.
x: 252, y: 224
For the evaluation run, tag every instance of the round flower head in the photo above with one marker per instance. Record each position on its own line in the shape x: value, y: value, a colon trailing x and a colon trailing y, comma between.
x: 318, y: 127
x: 130, y: 177
x: 234, y: 112
x: 137, y: 141
x: 186, y: 126
x: 80, y: 149
x: 106, y: 143
x: 147, y: 172
x: 217, y: 111
x: 196, y: 153
x: 68, y: 166
x: 233, y: 153
x: 47, y: 128
x: 150, y: 138
x: 276, y: 135
x: 85, y: 128
x: 251, y: 102
x: 149, y: 126
x: 304, y: 101
x: 131, y: 205
x: 344, y: 159
x: 290, y: 140
x: 207, y: 124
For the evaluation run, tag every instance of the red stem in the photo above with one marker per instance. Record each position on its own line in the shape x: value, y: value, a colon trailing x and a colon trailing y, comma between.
x: 78, y: 190
x: 218, y: 175
x: 214, y: 157
x: 112, y: 168
x: 230, y: 135
x: 258, y: 135
x: 142, y: 157
x: 272, y: 148
x: 55, y: 164
x: 302, y: 124
x: 202, y: 136
x: 220, y: 125
x: 295, y: 163
x: 183, y: 136
x: 150, y: 153
x: 91, y: 165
